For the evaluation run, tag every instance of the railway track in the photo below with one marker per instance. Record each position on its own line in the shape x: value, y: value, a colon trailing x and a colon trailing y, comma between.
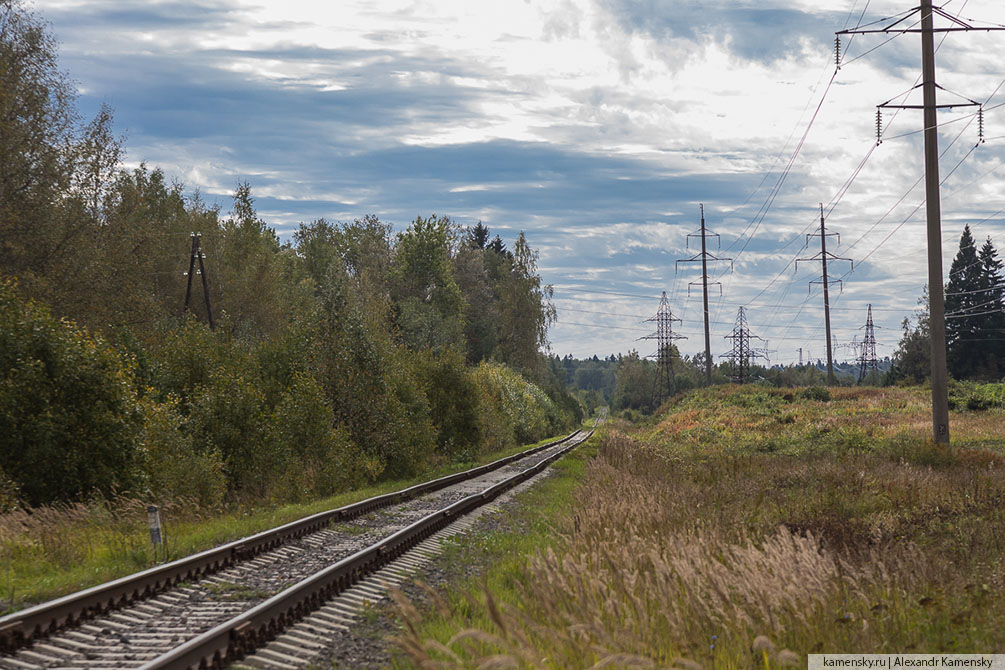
x: 218, y: 606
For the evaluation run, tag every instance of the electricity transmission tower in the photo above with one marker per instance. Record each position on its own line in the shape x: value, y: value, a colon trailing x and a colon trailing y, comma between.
x: 664, y: 337
x: 937, y: 304
x: 823, y: 257
x: 704, y: 257
x: 868, y: 360
x: 854, y: 347
x: 198, y: 254
x: 742, y: 351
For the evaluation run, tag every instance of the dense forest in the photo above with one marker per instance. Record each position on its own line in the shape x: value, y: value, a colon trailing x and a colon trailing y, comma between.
x: 350, y: 352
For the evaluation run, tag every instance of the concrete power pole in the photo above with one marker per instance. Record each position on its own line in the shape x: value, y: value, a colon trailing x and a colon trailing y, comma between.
x: 823, y: 256
x: 936, y: 292
x: 705, y: 257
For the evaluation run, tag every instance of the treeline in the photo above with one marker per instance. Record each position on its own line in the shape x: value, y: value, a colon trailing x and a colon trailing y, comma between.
x: 351, y: 352
x: 975, y: 320
x: 626, y: 382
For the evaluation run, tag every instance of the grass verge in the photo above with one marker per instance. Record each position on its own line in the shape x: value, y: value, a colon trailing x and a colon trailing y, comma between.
x: 51, y: 551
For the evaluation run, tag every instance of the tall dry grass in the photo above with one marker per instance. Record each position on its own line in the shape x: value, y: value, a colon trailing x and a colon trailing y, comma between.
x: 37, y: 541
x: 740, y: 560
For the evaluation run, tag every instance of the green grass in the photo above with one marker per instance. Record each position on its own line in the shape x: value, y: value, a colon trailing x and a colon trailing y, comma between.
x: 59, y: 550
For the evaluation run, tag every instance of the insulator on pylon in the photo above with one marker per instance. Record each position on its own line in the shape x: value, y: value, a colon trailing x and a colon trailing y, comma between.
x: 879, y: 126
x: 980, y: 124
x: 837, y: 51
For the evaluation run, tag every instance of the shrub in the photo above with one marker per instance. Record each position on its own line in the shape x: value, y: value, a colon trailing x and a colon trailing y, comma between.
x: 175, y: 468
x: 70, y: 422
x: 313, y: 457
x: 228, y: 417
x: 977, y: 397
x: 453, y: 402
x: 520, y: 408
x: 815, y: 393
x: 189, y: 355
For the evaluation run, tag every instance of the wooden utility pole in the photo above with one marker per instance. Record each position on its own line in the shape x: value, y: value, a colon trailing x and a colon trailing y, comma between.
x: 825, y: 280
x: 705, y: 258
x: 936, y: 292
x: 198, y: 254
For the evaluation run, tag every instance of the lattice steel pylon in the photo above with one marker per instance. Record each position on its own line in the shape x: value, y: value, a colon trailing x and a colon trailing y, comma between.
x: 742, y: 351
x: 664, y: 337
x: 854, y: 347
x: 868, y: 360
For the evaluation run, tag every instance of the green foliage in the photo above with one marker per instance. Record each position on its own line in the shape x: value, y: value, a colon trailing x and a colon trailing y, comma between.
x: 10, y: 493
x: 512, y: 409
x: 453, y: 402
x: 429, y: 301
x: 39, y: 132
x: 176, y: 469
x: 963, y: 314
x: 69, y: 419
x: 634, y: 381
x: 976, y: 396
x: 974, y: 311
x: 227, y: 415
x: 316, y: 458
x: 333, y: 362
x: 912, y: 362
x: 818, y: 393
x: 369, y: 395
x: 525, y: 309
x: 188, y: 356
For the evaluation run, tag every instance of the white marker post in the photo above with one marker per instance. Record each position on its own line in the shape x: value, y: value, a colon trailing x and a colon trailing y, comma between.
x: 154, y: 521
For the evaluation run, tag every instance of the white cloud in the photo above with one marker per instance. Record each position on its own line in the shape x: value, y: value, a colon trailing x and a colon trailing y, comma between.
x: 592, y: 125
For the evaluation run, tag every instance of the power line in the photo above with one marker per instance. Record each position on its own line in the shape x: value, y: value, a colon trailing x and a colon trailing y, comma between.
x: 937, y: 330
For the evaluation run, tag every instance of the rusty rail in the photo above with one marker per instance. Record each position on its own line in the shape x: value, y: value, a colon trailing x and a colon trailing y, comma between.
x: 20, y: 628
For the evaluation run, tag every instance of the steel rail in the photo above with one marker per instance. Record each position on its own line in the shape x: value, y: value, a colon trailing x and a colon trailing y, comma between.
x: 20, y: 628
x: 234, y: 639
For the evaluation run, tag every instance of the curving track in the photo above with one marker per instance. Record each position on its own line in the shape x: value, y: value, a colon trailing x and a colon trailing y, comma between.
x: 220, y: 605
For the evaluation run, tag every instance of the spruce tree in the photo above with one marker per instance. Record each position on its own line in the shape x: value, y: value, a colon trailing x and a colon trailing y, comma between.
x: 992, y: 305
x: 963, y: 294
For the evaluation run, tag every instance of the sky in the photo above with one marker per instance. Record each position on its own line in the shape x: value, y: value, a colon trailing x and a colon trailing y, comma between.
x: 597, y: 127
